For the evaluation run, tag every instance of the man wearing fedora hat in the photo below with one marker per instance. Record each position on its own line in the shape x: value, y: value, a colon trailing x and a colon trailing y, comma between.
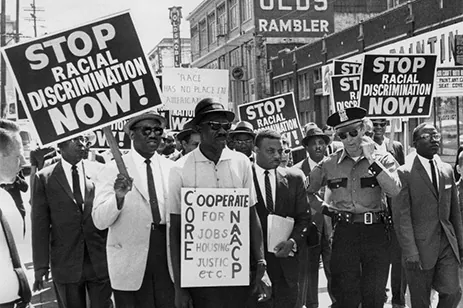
x: 315, y: 143
x: 134, y: 212
x: 243, y: 139
x: 358, y: 178
x: 212, y: 165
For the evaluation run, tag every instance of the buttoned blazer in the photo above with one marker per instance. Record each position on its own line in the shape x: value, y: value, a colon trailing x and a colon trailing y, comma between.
x: 290, y: 201
x: 421, y: 214
x: 60, y: 228
x: 129, y: 229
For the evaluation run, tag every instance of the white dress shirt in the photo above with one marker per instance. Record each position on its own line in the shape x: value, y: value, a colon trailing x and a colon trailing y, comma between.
x: 9, y: 284
x: 261, y: 179
x: 158, y: 176
x: 67, y: 167
x: 427, y: 166
x: 312, y: 163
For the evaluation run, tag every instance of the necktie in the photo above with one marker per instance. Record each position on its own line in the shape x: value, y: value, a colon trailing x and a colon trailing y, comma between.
x: 268, y: 192
x: 76, y: 187
x: 433, y: 175
x: 152, y: 194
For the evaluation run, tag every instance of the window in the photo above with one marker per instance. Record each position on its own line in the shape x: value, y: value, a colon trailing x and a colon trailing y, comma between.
x: 290, y: 85
x: 211, y: 28
x: 221, y: 20
x: 203, y: 34
x: 234, y: 18
x: 235, y: 57
x: 276, y: 87
x: 245, y: 10
x: 303, y: 86
x: 284, y: 86
x: 317, y: 75
x: 195, y: 42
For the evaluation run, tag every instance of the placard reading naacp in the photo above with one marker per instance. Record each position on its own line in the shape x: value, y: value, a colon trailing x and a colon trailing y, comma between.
x: 397, y: 85
x: 215, y: 237
x: 278, y: 113
x: 83, y: 78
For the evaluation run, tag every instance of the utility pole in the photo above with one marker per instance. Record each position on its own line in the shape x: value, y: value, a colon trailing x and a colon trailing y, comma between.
x: 2, y: 62
x: 34, y: 9
x: 16, y: 39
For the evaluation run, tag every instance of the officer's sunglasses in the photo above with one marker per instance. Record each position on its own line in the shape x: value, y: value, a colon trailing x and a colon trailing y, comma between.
x: 218, y: 125
x: 382, y: 124
x: 352, y: 133
x: 147, y: 130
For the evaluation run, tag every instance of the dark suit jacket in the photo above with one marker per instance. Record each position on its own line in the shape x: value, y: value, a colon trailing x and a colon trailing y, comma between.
x: 421, y: 215
x: 290, y: 201
x: 60, y: 228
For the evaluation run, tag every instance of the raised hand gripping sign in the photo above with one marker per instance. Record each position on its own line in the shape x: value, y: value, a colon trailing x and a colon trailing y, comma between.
x: 84, y: 78
x: 215, y: 237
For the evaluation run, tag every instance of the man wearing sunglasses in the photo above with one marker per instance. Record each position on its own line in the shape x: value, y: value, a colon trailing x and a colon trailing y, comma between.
x: 212, y: 165
x: 357, y: 179
x: 64, y: 236
x: 134, y: 211
x: 398, y: 279
x: 428, y: 223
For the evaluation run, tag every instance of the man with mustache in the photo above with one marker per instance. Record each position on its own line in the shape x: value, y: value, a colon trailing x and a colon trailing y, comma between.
x: 357, y: 179
x: 64, y: 236
x: 428, y: 223
x: 212, y: 165
x: 134, y: 211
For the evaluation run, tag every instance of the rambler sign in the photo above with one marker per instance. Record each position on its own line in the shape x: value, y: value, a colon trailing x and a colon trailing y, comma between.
x: 294, y: 18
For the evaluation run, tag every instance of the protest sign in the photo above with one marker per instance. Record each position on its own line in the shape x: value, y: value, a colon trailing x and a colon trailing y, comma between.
x: 346, y: 67
x: 278, y: 113
x: 345, y: 91
x: 117, y: 130
x: 215, y: 237
x: 397, y: 85
x: 83, y: 78
x: 449, y: 81
x: 183, y: 88
x: 178, y: 118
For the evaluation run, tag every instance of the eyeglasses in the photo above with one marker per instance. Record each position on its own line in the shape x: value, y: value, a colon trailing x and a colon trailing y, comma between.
x: 247, y: 141
x: 218, y: 125
x: 428, y: 137
x: 382, y: 124
x: 147, y: 130
x: 80, y: 139
x: 369, y: 134
x: 353, y: 133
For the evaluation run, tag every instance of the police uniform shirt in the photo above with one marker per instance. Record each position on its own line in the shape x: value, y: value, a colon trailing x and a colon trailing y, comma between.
x: 354, y: 186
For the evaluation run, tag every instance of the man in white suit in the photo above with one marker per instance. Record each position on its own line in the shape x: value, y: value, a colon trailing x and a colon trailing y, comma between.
x: 428, y: 223
x: 134, y: 210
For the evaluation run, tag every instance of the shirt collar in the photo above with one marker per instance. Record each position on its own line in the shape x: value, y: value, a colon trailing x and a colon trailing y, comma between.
x: 425, y: 161
x: 140, y: 160
x: 260, y: 170
x: 68, y: 166
x: 227, y: 154
x: 344, y: 154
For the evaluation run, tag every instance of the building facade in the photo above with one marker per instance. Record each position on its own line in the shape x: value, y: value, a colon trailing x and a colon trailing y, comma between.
x: 242, y: 35
x: 163, y: 54
x: 420, y: 26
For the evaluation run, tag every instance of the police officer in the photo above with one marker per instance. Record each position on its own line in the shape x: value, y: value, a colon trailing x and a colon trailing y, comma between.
x: 357, y: 179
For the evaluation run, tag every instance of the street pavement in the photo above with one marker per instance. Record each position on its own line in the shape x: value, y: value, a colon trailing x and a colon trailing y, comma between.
x: 46, y: 298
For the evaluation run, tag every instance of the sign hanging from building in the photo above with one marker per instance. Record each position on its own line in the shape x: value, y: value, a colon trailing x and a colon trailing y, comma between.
x: 459, y: 49
x: 83, y: 78
x: 183, y: 88
x: 345, y: 91
x: 215, y: 237
x: 175, y: 15
x: 449, y: 81
x: 294, y: 18
x: 397, y: 85
x: 278, y: 113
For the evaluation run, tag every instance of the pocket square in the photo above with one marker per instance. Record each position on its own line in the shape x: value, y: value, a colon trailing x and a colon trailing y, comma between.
x: 448, y: 186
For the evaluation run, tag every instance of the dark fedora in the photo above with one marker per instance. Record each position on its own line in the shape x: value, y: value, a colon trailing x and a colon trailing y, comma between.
x: 243, y: 127
x: 186, y: 131
x: 153, y: 115
x: 315, y: 132
x: 207, y: 106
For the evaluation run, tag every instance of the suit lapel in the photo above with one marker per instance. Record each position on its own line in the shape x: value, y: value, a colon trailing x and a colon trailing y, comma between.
x: 260, y: 198
x: 137, y: 180
x: 60, y: 177
x: 89, y: 196
x: 420, y: 169
x: 441, y: 180
x: 282, y: 194
x: 306, y: 166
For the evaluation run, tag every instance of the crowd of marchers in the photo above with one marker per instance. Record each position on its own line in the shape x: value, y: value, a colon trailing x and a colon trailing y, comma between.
x: 361, y: 208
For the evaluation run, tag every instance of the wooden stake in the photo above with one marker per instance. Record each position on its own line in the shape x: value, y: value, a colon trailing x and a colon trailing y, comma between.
x: 115, y: 150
